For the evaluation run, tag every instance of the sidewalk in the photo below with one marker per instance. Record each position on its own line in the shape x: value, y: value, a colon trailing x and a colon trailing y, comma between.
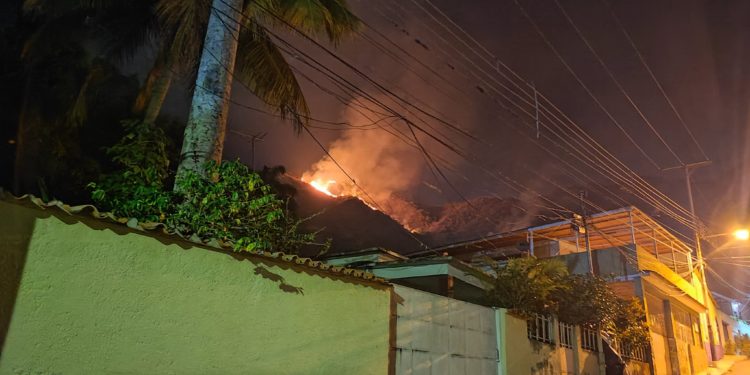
x: 723, y: 365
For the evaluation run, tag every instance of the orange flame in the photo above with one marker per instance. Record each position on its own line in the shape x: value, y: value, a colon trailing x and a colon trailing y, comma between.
x: 323, y: 186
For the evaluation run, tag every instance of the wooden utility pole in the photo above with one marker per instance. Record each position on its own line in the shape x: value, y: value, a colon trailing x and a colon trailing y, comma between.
x: 586, y: 238
x: 688, y: 168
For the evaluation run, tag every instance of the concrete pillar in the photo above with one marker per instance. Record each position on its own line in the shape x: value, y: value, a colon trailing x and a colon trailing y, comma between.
x: 673, y: 364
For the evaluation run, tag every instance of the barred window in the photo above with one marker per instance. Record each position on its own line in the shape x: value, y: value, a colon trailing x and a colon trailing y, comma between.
x: 566, y: 335
x: 589, y: 339
x: 539, y: 328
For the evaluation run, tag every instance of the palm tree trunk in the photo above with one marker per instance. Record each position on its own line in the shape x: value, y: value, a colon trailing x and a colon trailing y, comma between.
x: 151, y: 96
x: 157, y: 96
x: 206, y: 125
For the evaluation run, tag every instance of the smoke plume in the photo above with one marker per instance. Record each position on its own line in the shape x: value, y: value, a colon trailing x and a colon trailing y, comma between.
x: 381, y: 168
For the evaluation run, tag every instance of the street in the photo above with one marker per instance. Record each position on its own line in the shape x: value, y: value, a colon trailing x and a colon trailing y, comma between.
x: 740, y: 368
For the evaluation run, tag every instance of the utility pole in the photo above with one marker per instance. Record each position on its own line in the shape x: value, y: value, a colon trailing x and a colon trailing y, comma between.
x: 688, y: 168
x: 586, y: 239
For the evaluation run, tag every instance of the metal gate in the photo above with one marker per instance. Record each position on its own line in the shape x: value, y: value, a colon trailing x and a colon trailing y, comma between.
x: 440, y: 335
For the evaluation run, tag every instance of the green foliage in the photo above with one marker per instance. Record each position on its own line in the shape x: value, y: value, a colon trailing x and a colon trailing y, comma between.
x: 136, y: 189
x: 526, y: 285
x: 587, y: 301
x: 231, y: 204
x: 234, y: 204
x: 543, y: 286
x: 629, y: 325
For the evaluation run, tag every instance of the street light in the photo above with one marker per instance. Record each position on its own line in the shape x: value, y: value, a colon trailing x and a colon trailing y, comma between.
x: 742, y: 234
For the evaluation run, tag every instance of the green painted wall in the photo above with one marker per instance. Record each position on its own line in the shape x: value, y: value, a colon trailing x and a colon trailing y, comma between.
x: 95, y: 298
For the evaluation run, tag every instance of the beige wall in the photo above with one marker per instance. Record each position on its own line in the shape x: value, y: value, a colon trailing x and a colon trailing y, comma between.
x: 102, y: 299
x: 523, y: 356
x: 727, y: 337
x: 688, y: 353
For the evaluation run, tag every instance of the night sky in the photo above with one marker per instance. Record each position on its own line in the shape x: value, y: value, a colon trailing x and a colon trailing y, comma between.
x: 698, y: 51
x: 695, y: 49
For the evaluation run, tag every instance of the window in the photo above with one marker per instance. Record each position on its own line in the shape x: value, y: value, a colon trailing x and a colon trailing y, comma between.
x: 566, y: 335
x: 539, y: 328
x: 589, y: 339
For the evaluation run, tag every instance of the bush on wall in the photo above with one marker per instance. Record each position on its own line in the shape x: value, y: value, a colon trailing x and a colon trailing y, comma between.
x: 229, y: 202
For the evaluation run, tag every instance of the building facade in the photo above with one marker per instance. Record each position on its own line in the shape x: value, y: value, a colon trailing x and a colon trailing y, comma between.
x: 642, y: 259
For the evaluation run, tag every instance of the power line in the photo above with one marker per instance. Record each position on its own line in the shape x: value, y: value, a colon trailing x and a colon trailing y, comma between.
x: 616, y: 81
x: 411, y: 126
x: 583, y: 85
x: 654, y: 79
x: 590, y: 141
x: 412, y: 130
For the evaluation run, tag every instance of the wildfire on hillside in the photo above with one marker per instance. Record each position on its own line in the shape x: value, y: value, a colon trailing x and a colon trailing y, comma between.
x: 399, y: 209
x: 333, y: 188
x: 322, y: 186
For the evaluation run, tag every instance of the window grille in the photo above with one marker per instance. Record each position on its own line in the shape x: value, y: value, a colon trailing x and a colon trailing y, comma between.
x: 566, y: 335
x: 589, y: 339
x: 539, y: 328
x: 634, y: 353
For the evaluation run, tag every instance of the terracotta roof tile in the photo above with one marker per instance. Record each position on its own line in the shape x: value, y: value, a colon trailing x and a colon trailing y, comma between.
x: 30, y: 200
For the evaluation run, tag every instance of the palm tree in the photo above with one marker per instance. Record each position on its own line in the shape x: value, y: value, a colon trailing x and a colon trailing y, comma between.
x: 215, y: 40
x: 236, y: 37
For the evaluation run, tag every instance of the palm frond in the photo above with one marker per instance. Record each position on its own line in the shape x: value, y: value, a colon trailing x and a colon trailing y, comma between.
x: 184, y: 22
x: 331, y: 18
x: 343, y: 22
x: 262, y: 68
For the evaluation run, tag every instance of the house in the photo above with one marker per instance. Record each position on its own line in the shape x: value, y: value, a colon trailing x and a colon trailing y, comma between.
x: 641, y: 258
x: 444, y: 322
x: 441, y: 275
x: 729, y: 320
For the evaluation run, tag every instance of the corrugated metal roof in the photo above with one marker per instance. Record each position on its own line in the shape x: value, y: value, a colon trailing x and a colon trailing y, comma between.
x: 29, y: 200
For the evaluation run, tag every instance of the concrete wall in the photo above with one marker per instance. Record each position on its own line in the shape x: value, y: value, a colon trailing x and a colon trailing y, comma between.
x: 590, y: 362
x: 637, y: 368
x: 94, y: 298
x: 676, y: 336
x: 441, y: 335
x: 521, y: 356
x: 524, y: 356
x: 728, y: 328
